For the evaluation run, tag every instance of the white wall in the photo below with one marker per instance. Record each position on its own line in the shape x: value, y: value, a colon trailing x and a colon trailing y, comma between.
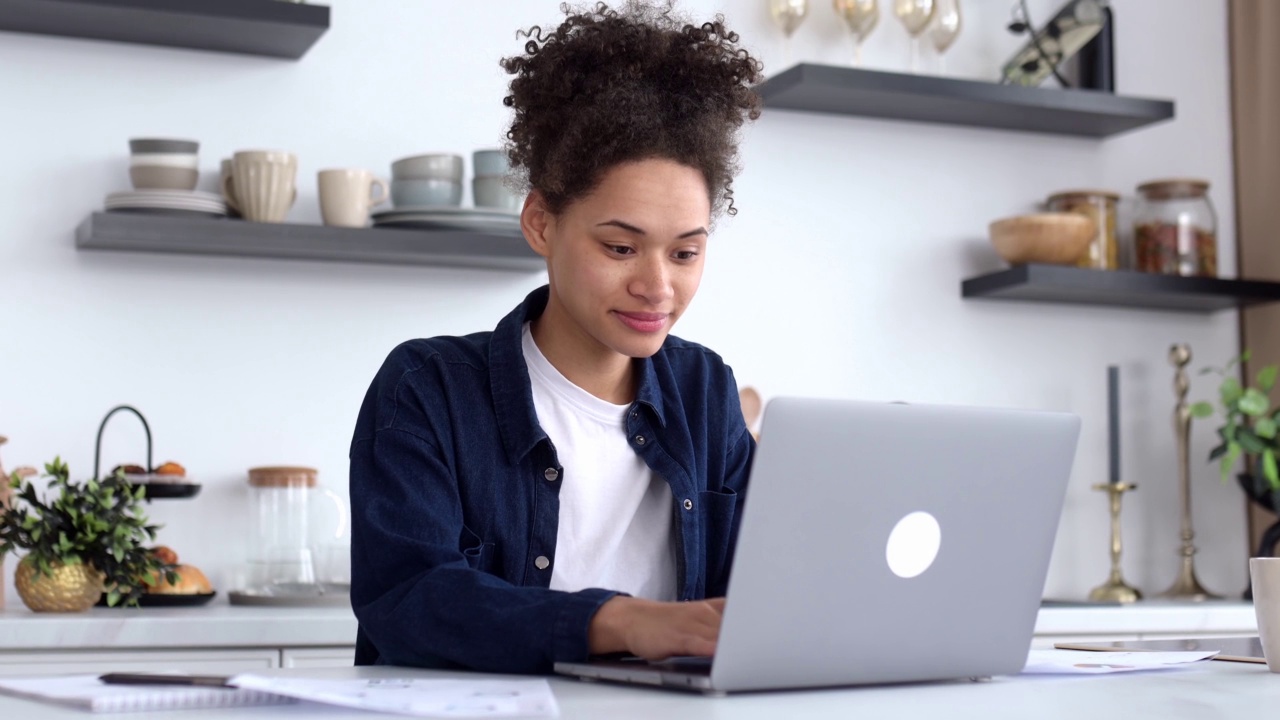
x: 840, y: 277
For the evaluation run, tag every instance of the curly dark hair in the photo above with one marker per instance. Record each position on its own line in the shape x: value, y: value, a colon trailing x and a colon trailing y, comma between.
x: 615, y: 86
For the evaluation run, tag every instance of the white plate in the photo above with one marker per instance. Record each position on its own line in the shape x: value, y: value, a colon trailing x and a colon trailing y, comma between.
x: 163, y: 201
x: 210, y: 207
x: 165, y: 195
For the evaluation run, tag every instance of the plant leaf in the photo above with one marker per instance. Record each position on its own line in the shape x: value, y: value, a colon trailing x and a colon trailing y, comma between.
x: 1249, y: 441
x: 1253, y: 403
x: 1265, y: 428
x: 1201, y: 410
x: 1267, y: 377
x: 1269, y: 467
x: 1229, y: 461
x: 1218, y: 452
x: 1230, y: 391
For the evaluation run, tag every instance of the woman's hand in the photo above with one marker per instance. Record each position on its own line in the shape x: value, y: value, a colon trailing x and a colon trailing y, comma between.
x: 656, y: 630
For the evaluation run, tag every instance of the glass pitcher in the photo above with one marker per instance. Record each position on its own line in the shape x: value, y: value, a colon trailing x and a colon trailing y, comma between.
x: 281, y: 560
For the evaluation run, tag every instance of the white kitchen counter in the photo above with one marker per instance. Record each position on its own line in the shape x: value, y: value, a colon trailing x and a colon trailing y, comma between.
x: 210, y: 626
x: 220, y: 625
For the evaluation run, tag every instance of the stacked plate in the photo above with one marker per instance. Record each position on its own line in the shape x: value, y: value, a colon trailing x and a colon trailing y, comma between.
x: 167, y: 202
x: 449, y: 218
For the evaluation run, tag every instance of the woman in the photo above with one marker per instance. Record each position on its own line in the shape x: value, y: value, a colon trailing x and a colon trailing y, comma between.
x: 569, y: 483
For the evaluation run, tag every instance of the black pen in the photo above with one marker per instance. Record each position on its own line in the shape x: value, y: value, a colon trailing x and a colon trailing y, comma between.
x: 159, y: 679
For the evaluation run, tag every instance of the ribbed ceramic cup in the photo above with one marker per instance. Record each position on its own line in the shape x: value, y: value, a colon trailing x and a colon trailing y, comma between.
x: 263, y: 184
x: 1264, y: 574
x: 347, y: 195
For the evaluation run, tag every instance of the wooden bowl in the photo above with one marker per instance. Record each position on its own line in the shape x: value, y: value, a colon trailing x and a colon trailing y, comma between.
x: 1057, y: 238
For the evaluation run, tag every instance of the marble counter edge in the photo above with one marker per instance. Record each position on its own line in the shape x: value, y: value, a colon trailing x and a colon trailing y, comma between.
x: 224, y: 626
x: 172, y: 628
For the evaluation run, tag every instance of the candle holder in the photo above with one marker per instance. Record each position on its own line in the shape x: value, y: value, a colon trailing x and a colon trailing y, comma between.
x: 1115, y: 589
x: 1187, y: 586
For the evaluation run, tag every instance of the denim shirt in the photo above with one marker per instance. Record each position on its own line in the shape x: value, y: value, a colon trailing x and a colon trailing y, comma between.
x: 455, y: 498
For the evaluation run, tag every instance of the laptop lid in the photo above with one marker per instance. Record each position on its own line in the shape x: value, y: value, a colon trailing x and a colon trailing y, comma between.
x: 892, y: 543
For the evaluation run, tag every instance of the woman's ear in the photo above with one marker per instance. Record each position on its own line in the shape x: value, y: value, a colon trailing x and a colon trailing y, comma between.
x: 537, y: 222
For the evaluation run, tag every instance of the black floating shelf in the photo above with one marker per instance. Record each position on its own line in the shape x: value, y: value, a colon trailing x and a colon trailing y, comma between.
x: 932, y: 99
x: 214, y: 236
x: 252, y: 27
x: 1119, y: 288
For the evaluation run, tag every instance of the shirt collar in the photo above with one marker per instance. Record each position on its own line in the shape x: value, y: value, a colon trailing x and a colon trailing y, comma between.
x: 513, y: 392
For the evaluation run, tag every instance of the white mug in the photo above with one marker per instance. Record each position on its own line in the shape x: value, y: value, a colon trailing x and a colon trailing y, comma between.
x: 346, y: 196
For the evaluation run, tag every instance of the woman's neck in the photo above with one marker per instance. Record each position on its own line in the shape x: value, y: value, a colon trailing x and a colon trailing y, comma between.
x: 601, y: 371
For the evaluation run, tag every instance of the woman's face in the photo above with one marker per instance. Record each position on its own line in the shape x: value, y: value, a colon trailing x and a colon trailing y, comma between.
x: 625, y: 261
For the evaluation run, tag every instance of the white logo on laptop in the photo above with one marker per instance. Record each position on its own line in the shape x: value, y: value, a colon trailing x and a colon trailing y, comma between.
x: 913, y: 544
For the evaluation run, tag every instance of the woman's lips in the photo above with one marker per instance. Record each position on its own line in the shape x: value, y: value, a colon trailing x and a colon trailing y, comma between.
x: 643, y: 322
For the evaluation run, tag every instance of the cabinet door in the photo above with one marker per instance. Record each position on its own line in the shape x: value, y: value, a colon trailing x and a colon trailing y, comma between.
x: 326, y: 657
x: 216, y: 662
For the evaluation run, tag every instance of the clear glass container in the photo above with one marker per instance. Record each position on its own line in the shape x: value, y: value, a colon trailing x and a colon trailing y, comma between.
x: 282, y: 554
x: 1176, y: 229
x: 1099, y: 205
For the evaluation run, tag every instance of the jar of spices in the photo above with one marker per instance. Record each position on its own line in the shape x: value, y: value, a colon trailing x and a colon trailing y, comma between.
x: 1176, y: 229
x: 1100, y: 205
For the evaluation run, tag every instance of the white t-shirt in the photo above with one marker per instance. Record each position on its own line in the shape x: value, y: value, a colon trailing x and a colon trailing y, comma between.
x: 615, y: 513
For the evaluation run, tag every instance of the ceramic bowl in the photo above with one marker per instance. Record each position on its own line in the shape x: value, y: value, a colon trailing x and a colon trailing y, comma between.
x: 489, y: 163
x: 436, y: 166
x: 160, y: 177
x: 492, y: 192
x: 422, y: 192
x: 162, y: 145
x: 1055, y: 238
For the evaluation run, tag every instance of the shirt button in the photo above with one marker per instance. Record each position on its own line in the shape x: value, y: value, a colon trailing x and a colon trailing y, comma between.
x: 634, y: 414
x: 688, y: 504
x: 541, y: 562
x: 551, y: 474
x: 640, y: 440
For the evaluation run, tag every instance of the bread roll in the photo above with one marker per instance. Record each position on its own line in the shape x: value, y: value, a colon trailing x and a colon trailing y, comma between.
x: 190, y: 582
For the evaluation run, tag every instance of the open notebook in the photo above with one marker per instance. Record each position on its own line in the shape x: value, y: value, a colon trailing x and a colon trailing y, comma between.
x: 88, y: 693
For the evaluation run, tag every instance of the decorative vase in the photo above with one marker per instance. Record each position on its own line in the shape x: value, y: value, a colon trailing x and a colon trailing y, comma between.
x: 70, y: 588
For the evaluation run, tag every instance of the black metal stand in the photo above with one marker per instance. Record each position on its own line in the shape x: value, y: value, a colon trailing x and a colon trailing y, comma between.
x: 97, y: 451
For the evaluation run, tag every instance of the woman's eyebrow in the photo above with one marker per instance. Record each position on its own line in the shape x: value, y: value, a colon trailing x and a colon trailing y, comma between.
x: 633, y: 229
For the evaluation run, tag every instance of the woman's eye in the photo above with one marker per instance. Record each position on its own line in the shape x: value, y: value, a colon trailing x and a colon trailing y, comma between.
x: 620, y: 250
x: 686, y: 255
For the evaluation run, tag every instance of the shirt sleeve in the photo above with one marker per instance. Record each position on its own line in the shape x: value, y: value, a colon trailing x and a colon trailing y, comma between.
x: 414, y: 591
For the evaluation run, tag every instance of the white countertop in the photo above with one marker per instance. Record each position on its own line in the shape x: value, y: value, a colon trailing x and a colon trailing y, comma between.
x: 1211, y: 689
x: 211, y: 626
x: 221, y: 625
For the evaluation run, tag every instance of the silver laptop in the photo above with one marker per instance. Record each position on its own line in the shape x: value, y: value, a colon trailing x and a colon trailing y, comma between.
x: 882, y: 543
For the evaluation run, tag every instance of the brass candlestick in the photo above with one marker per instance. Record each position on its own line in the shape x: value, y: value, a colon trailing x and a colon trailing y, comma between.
x: 1186, y: 587
x: 1115, y: 589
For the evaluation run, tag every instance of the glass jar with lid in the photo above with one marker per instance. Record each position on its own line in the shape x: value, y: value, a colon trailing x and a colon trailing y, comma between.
x: 1100, y: 206
x: 1176, y: 228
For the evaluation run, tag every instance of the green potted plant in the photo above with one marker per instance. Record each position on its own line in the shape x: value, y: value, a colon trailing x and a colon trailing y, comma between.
x: 1249, y: 430
x: 85, y: 541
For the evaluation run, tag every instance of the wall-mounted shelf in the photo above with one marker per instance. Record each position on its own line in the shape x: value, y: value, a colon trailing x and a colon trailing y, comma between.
x: 925, y: 98
x: 253, y: 27
x: 1119, y: 288
x: 213, y: 236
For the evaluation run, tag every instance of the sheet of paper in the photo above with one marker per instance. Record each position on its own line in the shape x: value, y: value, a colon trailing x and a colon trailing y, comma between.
x: 1086, y: 662
x: 418, y: 697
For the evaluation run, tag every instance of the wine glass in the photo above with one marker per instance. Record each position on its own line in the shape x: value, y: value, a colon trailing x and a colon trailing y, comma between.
x: 861, y: 16
x: 945, y: 29
x: 788, y: 14
x: 915, y: 16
